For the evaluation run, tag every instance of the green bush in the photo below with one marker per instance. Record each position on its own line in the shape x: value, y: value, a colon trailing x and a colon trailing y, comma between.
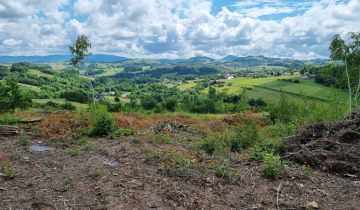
x: 8, y: 119
x: 8, y: 169
x: 245, y: 137
x: 221, y: 170
x: 121, y: 132
x: 175, y: 164
x: 272, y: 165
x: 68, y: 106
x: 211, y: 145
x: 103, y: 123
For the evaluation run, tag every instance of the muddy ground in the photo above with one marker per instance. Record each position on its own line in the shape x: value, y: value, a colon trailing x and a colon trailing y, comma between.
x: 115, y: 174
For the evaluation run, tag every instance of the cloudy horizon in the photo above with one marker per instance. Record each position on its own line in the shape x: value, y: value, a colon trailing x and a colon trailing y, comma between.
x: 177, y: 28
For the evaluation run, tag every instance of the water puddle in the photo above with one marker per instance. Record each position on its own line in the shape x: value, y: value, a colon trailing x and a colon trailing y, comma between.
x: 40, y: 148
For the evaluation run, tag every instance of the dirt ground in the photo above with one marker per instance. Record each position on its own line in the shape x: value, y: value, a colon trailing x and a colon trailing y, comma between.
x: 116, y: 175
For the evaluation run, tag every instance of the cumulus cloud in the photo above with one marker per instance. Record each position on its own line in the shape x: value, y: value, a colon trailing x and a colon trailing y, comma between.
x: 177, y: 28
x: 11, y: 42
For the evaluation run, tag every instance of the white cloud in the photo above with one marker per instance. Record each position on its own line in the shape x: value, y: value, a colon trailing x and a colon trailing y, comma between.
x: 177, y: 28
x: 11, y: 42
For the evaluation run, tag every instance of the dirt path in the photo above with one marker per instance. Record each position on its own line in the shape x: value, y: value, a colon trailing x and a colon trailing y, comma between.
x: 116, y: 175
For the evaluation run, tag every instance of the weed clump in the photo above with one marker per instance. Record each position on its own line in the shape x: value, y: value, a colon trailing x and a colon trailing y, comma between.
x: 74, y: 151
x: 24, y: 140
x: 175, y: 164
x: 272, y: 165
x: 8, y: 170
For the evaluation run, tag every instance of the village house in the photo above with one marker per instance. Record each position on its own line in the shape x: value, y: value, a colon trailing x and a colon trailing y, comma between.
x: 308, y: 76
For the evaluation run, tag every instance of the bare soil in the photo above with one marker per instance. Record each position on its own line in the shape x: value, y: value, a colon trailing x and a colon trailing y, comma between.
x: 56, y: 180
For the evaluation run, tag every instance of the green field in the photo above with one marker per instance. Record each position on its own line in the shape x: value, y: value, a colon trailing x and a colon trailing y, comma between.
x: 272, y: 87
x: 61, y: 101
x: 40, y: 74
x: 111, y: 71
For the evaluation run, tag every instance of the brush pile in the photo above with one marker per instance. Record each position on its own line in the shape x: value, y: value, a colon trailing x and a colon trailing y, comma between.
x: 6, y: 130
x: 169, y: 126
x: 333, y: 148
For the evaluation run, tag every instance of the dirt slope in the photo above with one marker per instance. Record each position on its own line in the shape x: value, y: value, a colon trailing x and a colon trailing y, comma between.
x: 120, y: 177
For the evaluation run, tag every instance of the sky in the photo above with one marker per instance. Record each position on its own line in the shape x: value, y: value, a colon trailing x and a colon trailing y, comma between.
x: 299, y: 29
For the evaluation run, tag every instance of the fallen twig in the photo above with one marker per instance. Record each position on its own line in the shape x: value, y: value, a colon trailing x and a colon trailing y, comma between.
x: 277, y: 195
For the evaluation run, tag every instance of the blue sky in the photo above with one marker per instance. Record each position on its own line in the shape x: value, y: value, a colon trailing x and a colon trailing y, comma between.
x: 177, y: 28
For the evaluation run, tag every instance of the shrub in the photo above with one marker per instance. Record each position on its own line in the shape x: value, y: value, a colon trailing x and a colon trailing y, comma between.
x: 283, y: 110
x: 8, y: 169
x: 221, y: 170
x: 76, y: 95
x: 272, y: 165
x: 211, y: 145
x: 175, y: 164
x: 12, y: 97
x: 8, y: 119
x: 245, y: 137
x: 103, y: 122
x: 24, y: 140
x: 121, y: 132
x: 258, y: 103
x: 68, y: 106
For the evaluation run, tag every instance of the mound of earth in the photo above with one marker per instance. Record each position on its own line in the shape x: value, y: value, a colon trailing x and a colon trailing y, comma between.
x: 333, y: 148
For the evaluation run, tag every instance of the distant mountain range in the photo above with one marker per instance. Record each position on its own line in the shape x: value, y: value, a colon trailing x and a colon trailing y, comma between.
x: 229, y: 60
x: 98, y: 58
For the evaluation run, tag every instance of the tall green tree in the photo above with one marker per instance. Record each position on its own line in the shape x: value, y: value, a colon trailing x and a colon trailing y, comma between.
x: 355, y: 60
x: 340, y: 52
x: 80, y: 49
x: 11, y: 97
x: 4, y: 71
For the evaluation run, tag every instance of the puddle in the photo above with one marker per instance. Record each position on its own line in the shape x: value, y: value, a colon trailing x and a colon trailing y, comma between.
x: 40, y: 148
x: 106, y: 161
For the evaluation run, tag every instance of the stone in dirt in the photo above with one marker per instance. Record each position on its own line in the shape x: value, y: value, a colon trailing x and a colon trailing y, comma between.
x: 312, y: 205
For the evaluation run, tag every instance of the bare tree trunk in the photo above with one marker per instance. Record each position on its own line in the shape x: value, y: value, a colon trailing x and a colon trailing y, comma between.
x: 349, y: 85
x: 357, y: 92
x: 92, y: 87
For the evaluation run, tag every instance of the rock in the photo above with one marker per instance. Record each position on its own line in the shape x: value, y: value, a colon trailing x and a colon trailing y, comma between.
x: 312, y: 205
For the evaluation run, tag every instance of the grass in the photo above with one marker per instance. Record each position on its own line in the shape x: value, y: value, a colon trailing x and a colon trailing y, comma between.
x: 29, y: 87
x: 61, y: 101
x: 271, y: 88
x: 40, y: 74
x: 110, y: 72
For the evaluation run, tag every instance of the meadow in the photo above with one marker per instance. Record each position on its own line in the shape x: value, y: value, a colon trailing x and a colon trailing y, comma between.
x: 271, y: 88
